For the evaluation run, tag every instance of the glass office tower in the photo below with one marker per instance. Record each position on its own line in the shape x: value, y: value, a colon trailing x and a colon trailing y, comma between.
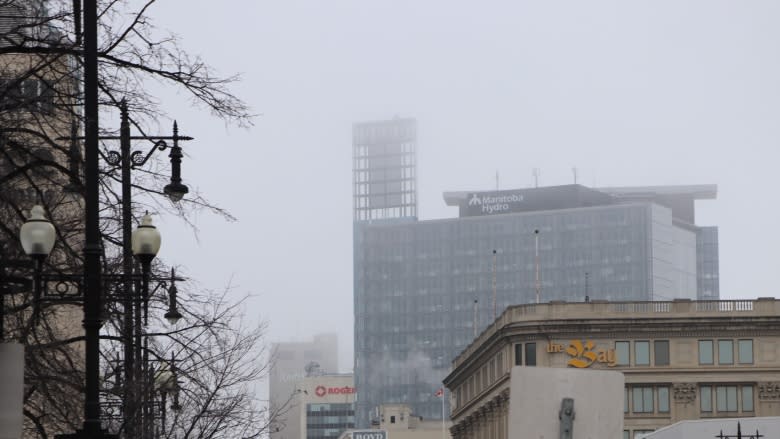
x: 422, y: 289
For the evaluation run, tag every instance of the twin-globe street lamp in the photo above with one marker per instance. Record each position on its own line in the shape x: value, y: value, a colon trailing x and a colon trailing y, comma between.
x: 38, y: 235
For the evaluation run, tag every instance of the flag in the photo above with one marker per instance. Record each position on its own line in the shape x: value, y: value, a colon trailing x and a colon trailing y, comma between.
x: 439, y: 393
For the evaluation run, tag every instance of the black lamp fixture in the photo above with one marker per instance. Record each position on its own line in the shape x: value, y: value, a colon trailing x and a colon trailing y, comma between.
x: 175, y: 190
x: 173, y: 315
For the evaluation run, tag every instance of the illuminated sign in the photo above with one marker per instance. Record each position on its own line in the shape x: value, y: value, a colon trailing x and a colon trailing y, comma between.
x: 584, y: 353
x: 322, y: 390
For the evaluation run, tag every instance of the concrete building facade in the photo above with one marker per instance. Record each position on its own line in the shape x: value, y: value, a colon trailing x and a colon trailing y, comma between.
x: 682, y: 360
x: 292, y: 363
x: 322, y: 407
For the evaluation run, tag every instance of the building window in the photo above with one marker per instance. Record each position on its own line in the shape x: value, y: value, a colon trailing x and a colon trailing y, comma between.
x: 745, y: 349
x: 642, y: 353
x: 725, y: 351
x: 638, y: 434
x: 518, y: 354
x: 392, y: 419
x: 747, y: 398
x: 661, y: 352
x: 530, y: 354
x: 663, y: 400
x: 705, y: 399
x: 726, y: 398
x: 623, y: 353
x: 626, y: 434
x: 705, y: 352
x: 625, y: 400
x: 642, y: 399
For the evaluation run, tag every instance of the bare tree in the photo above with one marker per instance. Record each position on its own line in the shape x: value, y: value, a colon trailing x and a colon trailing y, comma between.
x: 218, y: 358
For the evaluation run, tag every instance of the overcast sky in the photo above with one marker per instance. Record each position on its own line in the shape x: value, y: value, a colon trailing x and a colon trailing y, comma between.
x: 629, y: 92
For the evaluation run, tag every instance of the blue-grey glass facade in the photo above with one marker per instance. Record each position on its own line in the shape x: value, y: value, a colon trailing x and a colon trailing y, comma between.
x: 422, y: 288
x: 328, y: 421
x: 707, y: 265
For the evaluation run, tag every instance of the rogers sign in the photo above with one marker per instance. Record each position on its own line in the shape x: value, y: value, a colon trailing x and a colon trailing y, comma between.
x: 322, y: 390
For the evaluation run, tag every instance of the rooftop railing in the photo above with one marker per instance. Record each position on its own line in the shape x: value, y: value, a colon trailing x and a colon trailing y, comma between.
x: 600, y: 309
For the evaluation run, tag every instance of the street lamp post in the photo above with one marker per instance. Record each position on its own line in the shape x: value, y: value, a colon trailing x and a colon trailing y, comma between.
x: 127, y: 160
x: 38, y: 234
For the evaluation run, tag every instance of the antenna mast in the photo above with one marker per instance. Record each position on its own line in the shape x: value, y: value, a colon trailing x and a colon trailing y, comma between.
x: 494, y: 284
x: 536, y: 246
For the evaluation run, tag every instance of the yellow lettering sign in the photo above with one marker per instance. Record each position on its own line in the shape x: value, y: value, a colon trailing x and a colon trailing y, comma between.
x: 583, y: 353
x: 553, y: 347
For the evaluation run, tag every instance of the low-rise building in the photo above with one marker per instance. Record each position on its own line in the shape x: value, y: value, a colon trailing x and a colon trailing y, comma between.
x: 322, y: 407
x: 682, y: 360
x: 400, y: 423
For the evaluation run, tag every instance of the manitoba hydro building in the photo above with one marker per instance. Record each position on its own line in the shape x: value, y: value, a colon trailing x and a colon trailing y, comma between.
x: 424, y: 289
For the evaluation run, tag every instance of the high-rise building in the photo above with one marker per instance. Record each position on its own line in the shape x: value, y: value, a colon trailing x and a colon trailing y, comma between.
x: 292, y: 362
x: 423, y: 289
x: 385, y: 169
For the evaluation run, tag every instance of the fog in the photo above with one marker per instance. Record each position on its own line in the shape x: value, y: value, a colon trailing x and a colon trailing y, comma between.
x: 629, y: 93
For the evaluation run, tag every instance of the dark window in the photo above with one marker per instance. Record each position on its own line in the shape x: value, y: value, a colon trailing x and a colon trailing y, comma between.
x: 518, y: 354
x: 661, y: 351
x: 392, y: 419
x: 530, y: 354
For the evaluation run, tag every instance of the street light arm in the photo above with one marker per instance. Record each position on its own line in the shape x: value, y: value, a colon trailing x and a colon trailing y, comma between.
x: 137, y: 160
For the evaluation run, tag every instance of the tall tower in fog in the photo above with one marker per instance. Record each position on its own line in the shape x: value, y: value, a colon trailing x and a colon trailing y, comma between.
x: 384, y: 169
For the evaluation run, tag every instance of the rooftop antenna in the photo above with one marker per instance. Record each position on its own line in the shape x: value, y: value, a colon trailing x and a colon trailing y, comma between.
x: 475, y: 317
x: 536, y: 246
x: 574, y: 171
x: 536, y: 172
x: 587, y: 293
x: 494, y: 284
x: 496, y: 179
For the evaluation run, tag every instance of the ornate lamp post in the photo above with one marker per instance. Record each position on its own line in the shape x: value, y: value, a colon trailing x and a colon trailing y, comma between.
x: 38, y: 238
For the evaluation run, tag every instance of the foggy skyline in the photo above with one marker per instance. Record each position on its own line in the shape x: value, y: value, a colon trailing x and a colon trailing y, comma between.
x: 631, y: 94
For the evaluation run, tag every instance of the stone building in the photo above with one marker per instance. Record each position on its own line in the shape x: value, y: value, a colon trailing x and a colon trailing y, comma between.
x: 682, y: 360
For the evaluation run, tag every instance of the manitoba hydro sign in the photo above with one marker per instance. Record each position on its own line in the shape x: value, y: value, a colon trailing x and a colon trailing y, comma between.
x: 491, y: 203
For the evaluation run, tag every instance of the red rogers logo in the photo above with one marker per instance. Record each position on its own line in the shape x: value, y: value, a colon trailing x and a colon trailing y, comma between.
x: 322, y: 390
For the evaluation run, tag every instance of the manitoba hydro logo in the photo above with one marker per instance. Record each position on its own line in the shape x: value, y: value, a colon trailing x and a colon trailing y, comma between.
x: 494, y: 203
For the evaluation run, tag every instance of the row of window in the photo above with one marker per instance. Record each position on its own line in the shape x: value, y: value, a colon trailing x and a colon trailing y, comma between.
x: 646, y: 399
x: 726, y: 351
x: 481, y: 380
x: 642, y: 353
x: 530, y: 354
x: 726, y: 398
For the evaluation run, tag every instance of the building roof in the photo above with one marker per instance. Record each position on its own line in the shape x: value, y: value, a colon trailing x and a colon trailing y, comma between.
x: 694, y: 191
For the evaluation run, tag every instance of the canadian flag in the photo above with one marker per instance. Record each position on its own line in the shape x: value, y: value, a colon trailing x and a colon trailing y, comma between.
x: 439, y: 393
